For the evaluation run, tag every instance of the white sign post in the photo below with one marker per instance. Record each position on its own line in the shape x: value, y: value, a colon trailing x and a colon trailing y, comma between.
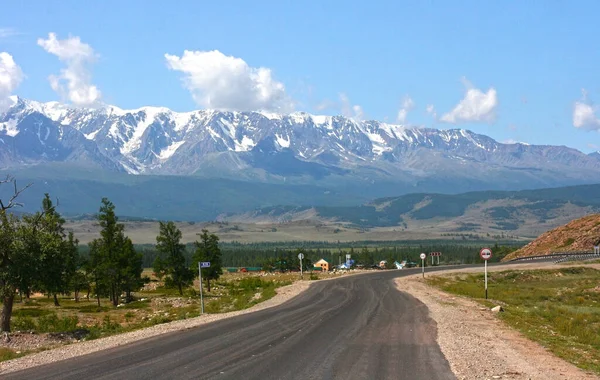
x: 597, y: 249
x: 300, y: 257
x: 486, y: 254
x: 423, y: 257
x: 202, y: 264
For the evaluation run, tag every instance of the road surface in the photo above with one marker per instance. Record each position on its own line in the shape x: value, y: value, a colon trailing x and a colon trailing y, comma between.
x: 354, y: 327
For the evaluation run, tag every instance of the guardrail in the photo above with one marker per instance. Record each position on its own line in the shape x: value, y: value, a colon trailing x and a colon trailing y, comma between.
x: 560, y: 257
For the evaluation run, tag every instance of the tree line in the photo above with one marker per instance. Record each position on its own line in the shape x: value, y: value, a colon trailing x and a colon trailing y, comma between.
x: 37, y: 254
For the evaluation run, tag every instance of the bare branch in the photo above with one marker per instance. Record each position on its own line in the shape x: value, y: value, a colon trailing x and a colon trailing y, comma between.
x: 12, y: 201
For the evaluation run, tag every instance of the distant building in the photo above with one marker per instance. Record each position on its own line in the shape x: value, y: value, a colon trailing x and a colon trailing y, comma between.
x: 324, y: 264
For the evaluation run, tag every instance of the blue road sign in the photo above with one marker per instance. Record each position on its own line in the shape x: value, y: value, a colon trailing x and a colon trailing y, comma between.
x: 205, y: 264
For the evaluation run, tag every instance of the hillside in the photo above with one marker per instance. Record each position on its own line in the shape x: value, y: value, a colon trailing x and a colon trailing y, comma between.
x: 576, y: 236
x: 523, y: 213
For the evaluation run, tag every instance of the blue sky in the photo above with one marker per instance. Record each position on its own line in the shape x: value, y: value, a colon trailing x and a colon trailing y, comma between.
x: 512, y: 70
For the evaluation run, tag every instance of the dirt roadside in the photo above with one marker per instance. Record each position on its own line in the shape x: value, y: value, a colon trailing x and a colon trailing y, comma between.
x: 477, y: 344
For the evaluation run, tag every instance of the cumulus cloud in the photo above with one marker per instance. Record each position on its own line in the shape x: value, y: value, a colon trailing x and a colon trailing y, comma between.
x: 223, y: 82
x: 74, y: 81
x: 348, y: 110
x: 407, y: 105
x: 431, y: 110
x: 476, y: 106
x: 584, y: 114
x: 10, y: 78
x: 343, y: 106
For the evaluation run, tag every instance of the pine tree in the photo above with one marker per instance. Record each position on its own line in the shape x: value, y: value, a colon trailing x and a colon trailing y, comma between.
x: 207, y: 249
x: 171, y: 260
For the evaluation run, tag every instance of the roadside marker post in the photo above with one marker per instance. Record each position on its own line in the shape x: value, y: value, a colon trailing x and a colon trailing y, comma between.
x: 202, y: 264
x: 423, y: 257
x: 486, y: 254
x: 300, y: 257
x: 597, y: 249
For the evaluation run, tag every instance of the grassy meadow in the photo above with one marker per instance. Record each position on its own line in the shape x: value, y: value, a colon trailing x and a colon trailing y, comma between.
x: 558, y: 308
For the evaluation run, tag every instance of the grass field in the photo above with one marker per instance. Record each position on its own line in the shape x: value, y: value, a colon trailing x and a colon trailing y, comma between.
x: 558, y: 308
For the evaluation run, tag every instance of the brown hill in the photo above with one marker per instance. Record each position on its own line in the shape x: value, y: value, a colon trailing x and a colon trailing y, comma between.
x: 577, y: 236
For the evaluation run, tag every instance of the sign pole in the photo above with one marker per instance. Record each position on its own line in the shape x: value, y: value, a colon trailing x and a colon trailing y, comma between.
x: 486, y: 279
x: 300, y: 257
x: 423, y: 257
x: 486, y: 254
x: 201, y: 297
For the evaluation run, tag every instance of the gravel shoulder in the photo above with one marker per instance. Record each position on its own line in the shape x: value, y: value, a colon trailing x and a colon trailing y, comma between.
x: 477, y: 344
x: 284, y: 294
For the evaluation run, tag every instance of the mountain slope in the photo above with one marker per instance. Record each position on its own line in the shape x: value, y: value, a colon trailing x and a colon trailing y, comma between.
x: 579, y: 235
x: 294, y: 149
x: 524, y: 213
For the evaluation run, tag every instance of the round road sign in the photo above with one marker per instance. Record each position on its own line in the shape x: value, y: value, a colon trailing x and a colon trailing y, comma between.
x: 423, y: 256
x: 301, y: 256
x: 485, y: 253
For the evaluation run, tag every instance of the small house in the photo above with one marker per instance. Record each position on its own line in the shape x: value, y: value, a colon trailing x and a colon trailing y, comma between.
x: 324, y: 264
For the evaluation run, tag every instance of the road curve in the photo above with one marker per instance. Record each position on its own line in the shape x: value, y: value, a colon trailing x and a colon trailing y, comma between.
x: 354, y: 327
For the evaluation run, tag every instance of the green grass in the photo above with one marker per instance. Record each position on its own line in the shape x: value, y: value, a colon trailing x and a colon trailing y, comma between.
x: 558, y: 308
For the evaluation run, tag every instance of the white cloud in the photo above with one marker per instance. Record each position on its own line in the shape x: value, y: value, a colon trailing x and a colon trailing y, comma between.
x: 223, y: 82
x: 348, y: 110
x: 476, y: 106
x: 407, y: 105
x: 8, y: 32
x: 431, y: 110
x: 10, y: 78
x: 74, y: 81
x: 584, y: 114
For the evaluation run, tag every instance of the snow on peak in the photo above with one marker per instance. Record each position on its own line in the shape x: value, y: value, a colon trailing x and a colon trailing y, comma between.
x: 284, y: 143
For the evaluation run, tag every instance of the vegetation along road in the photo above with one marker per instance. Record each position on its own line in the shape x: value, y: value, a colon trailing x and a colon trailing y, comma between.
x: 355, y: 327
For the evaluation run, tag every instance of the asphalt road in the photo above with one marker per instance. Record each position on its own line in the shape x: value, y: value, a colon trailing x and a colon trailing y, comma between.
x: 355, y: 327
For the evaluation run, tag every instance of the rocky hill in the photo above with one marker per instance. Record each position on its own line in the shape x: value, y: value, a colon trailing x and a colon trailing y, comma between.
x: 576, y: 236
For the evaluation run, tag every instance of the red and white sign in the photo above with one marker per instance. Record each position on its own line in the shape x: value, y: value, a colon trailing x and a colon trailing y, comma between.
x: 423, y: 256
x: 485, y: 253
x: 435, y: 254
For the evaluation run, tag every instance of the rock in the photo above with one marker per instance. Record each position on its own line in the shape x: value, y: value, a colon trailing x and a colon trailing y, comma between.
x: 497, y: 309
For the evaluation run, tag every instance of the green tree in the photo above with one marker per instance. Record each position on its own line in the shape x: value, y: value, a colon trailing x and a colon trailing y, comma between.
x: 12, y: 253
x: 366, y: 257
x: 57, y: 251
x: 207, y: 249
x: 114, y: 263
x: 171, y: 260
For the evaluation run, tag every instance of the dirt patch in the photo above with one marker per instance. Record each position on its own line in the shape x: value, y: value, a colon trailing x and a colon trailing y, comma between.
x: 480, y: 346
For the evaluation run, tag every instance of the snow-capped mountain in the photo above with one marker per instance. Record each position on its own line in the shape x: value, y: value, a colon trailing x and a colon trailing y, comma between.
x: 297, y: 148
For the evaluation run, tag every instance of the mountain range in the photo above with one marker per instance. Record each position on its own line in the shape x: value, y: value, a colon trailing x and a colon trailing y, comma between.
x: 330, y: 152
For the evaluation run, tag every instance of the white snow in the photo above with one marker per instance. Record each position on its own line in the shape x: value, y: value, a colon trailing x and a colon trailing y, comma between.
x: 244, y: 146
x: 10, y: 127
x: 170, y: 150
x: 138, y: 130
x: 91, y: 136
x: 271, y: 116
x: 319, y: 119
x: 284, y: 143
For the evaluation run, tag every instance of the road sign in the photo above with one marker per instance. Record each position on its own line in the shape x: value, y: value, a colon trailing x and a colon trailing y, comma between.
x: 348, y: 256
x: 300, y: 256
x: 485, y: 254
x: 204, y: 264
x: 423, y: 256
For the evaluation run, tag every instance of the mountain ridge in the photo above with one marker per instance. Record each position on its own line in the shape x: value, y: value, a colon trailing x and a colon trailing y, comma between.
x: 298, y: 148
